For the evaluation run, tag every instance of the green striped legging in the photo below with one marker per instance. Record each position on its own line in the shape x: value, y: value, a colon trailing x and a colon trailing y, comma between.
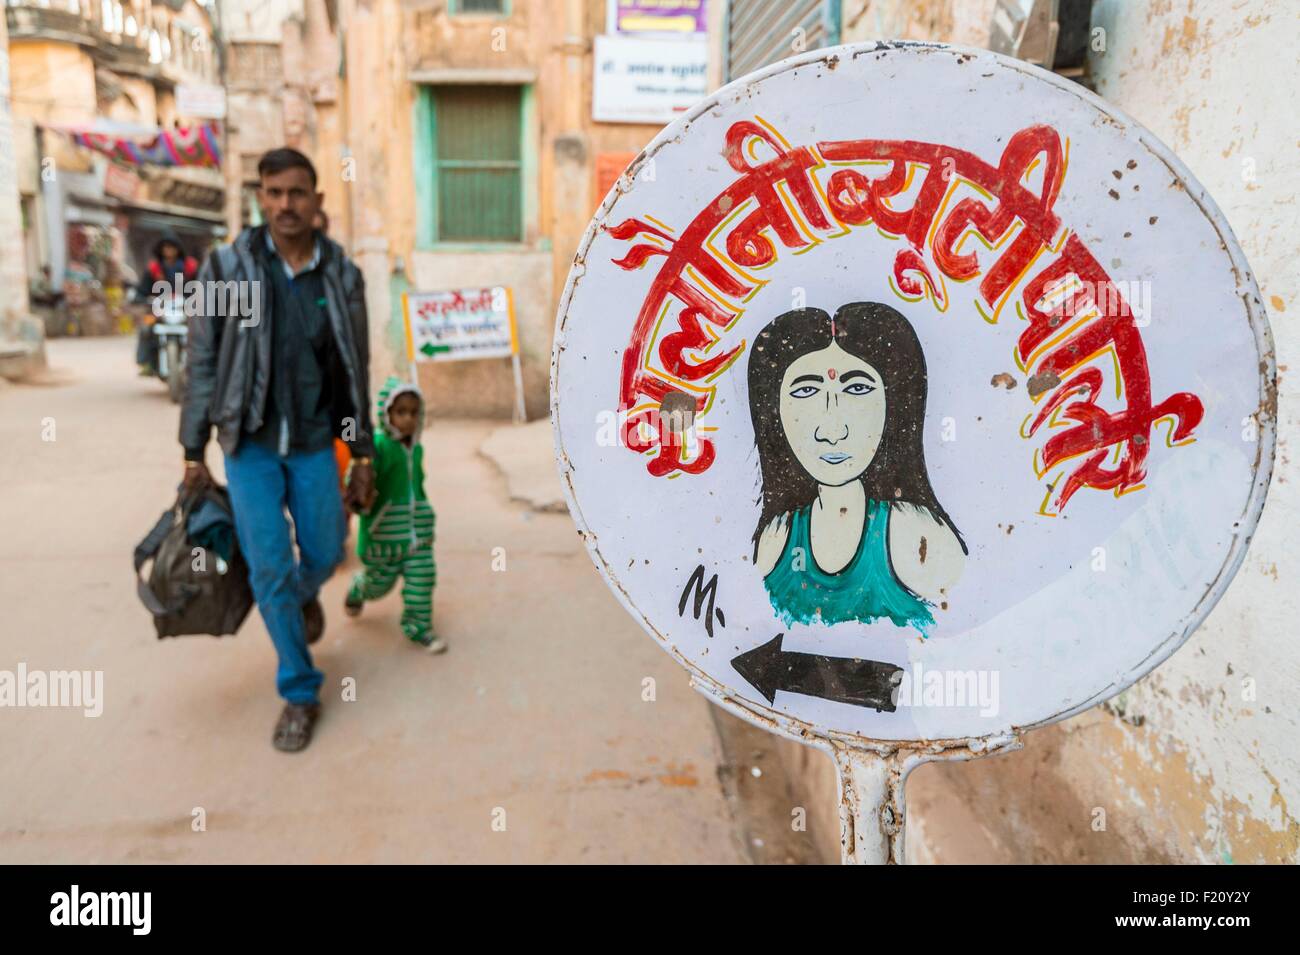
x: 419, y: 574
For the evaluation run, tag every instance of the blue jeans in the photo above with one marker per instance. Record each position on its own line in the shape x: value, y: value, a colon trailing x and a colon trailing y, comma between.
x: 261, y: 484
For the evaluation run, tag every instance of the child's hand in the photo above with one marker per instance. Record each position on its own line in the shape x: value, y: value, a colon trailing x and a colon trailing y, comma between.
x: 361, y: 487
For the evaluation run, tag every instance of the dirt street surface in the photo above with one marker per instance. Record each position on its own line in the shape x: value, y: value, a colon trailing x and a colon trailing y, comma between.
x: 533, y: 720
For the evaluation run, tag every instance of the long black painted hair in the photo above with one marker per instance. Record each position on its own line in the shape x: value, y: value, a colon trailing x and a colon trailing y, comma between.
x: 883, y: 338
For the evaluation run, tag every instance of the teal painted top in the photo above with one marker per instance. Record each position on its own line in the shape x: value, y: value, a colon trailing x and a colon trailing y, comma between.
x: 865, y: 590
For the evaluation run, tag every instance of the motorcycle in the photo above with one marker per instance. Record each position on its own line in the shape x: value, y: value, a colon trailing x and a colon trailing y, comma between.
x: 171, y: 331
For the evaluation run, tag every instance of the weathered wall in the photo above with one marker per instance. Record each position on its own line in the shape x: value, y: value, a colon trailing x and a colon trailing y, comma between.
x: 257, y: 21
x: 964, y: 22
x: 138, y: 105
x: 13, y: 269
x: 486, y: 388
x: 894, y: 19
x: 282, y: 77
x: 376, y: 104
x: 344, y: 93
x: 390, y: 47
x: 255, y: 116
x: 57, y: 81
x: 1199, y: 762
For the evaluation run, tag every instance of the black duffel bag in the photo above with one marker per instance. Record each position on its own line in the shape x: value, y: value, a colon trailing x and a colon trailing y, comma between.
x: 194, y: 589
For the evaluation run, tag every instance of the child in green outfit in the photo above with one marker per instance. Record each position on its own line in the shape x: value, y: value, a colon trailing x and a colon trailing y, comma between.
x: 396, y: 536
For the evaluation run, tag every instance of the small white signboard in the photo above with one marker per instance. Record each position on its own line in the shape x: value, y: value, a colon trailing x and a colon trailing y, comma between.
x: 463, y: 324
x: 201, y: 101
x: 647, y: 79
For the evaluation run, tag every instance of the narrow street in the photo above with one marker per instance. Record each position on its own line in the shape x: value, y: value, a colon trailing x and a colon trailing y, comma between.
x: 534, y: 718
x: 920, y: 372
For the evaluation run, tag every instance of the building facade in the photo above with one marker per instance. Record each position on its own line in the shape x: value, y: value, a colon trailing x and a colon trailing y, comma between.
x: 13, y: 273
x: 456, y: 148
x: 112, y: 68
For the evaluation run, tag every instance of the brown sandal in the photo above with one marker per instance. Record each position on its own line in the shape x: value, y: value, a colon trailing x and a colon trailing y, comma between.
x: 293, y: 729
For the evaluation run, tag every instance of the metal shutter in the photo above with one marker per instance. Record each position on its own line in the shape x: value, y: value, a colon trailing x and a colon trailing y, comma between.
x: 761, y: 32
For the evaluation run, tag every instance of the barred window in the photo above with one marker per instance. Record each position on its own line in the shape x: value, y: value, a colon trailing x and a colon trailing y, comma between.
x: 478, y: 163
x: 478, y: 6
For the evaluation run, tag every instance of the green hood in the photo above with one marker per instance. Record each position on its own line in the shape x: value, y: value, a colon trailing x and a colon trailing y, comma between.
x: 393, y: 387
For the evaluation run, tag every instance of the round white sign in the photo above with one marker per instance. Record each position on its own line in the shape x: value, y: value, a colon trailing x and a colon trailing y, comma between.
x: 912, y: 393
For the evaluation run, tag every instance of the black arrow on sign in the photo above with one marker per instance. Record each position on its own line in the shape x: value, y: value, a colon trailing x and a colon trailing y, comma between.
x: 840, y: 679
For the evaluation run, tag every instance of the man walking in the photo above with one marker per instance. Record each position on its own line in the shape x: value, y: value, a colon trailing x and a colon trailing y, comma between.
x: 280, y: 386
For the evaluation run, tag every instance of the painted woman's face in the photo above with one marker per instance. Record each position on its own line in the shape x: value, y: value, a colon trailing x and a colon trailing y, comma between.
x: 833, y: 414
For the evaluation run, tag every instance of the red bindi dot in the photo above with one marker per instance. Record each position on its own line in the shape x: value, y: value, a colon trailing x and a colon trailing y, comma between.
x: 830, y: 373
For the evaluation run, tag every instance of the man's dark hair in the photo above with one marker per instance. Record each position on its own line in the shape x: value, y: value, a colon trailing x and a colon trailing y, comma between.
x: 278, y: 160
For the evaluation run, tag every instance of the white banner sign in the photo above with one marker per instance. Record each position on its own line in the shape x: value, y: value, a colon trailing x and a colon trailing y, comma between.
x: 195, y: 101
x: 647, y: 79
x: 460, y: 324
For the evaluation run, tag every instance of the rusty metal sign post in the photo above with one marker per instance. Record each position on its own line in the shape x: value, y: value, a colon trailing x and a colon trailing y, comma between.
x: 911, y: 397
